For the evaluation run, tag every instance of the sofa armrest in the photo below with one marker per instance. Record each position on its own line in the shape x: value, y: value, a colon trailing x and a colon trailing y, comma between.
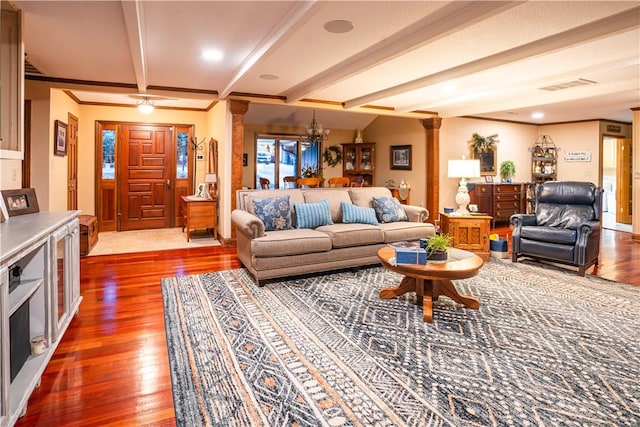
x: 416, y: 213
x: 521, y: 220
x: 247, y: 223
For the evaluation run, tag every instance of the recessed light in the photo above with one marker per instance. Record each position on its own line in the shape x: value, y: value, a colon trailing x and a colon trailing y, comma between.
x: 537, y: 115
x: 269, y: 77
x: 213, y: 55
x: 338, y: 26
x: 449, y: 87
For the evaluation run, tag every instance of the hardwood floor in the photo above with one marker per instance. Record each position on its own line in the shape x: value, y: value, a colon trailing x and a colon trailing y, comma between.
x: 112, y: 367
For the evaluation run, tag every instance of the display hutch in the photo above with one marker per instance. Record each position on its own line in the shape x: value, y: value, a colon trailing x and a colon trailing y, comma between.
x: 39, y: 295
x: 359, y: 162
x: 544, y: 160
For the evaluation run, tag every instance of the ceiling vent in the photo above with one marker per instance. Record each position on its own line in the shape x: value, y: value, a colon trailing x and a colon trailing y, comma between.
x: 30, y: 69
x: 567, y: 85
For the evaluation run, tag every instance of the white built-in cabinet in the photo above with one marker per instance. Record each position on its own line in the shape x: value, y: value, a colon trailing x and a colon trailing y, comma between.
x: 12, y: 88
x: 46, y: 246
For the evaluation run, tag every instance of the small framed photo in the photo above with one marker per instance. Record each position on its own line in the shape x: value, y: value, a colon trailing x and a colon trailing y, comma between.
x: 60, y: 141
x: 20, y: 202
x: 488, y: 178
x: 401, y: 157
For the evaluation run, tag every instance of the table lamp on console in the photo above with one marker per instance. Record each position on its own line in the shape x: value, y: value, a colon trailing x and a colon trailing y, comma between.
x: 463, y: 169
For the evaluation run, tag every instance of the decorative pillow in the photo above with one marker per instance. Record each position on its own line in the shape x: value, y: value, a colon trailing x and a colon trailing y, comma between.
x: 312, y: 215
x: 352, y: 214
x: 389, y: 209
x: 274, y: 212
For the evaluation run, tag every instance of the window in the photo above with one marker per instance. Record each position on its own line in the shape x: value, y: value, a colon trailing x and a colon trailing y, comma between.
x: 108, y: 154
x: 182, y: 155
x: 278, y: 156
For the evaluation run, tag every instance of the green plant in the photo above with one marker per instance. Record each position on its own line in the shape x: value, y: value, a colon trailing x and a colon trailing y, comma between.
x: 484, y: 143
x: 507, y: 169
x: 439, y: 242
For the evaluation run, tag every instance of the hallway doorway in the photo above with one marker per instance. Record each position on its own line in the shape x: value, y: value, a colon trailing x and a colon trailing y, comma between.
x: 616, y: 182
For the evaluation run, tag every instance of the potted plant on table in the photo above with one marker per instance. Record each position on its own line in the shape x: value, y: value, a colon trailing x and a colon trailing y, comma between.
x: 436, y: 247
x: 507, y: 170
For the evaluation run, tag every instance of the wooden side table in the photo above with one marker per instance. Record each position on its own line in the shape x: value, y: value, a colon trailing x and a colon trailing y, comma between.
x: 199, y: 213
x: 470, y: 233
x: 399, y: 193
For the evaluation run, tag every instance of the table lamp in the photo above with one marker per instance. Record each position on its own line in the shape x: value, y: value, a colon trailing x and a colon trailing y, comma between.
x: 463, y: 169
x: 211, y: 179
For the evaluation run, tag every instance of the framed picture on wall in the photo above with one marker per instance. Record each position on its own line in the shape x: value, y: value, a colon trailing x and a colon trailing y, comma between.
x: 60, y: 138
x: 401, y: 157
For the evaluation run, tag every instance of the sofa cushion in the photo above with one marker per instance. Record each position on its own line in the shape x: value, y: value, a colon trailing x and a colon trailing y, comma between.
x: 564, y: 216
x: 335, y: 198
x: 563, y: 236
x: 295, y: 196
x: 363, y: 196
x: 389, y: 209
x: 348, y: 235
x: 275, y: 212
x: 290, y: 242
x: 406, y: 230
x: 312, y: 215
x: 352, y: 214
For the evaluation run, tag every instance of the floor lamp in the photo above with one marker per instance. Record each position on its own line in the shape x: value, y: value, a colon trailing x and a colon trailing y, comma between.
x: 463, y: 169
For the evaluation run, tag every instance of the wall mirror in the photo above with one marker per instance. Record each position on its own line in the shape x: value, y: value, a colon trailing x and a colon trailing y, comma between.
x: 488, y: 160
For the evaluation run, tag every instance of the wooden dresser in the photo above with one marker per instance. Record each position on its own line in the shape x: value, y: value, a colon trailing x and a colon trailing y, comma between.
x: 499, y: 201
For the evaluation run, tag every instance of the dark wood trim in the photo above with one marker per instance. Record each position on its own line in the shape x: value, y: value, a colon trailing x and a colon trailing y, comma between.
x: 26, y: 161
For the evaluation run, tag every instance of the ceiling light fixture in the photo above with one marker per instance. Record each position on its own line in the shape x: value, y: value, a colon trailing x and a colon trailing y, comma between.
x: 145, y: 106
x: 314, y: 133
x: 213, y: 55
x: 537, y: 115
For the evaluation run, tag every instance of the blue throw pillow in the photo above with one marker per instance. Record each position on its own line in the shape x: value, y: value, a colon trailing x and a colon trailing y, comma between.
x: 352, y: 214
x: 389, y: 209
x: 275, y: 213
x: 312, y: 215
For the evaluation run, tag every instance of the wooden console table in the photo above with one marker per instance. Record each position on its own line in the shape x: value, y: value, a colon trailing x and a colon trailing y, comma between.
x: 199, y: 213
x: 470, y: 233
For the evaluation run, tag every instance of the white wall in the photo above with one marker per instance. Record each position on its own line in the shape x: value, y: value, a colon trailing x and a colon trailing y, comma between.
x: 455, y: 134
x: 387, y: 131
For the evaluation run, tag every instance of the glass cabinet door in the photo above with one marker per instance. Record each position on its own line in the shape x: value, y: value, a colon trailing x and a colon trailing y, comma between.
x: 60, y: 278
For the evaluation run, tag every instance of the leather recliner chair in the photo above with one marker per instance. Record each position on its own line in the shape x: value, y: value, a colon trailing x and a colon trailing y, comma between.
x: 565, y: 227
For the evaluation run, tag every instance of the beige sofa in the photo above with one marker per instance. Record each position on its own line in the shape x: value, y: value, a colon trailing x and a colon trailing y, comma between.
x: 296, y: 251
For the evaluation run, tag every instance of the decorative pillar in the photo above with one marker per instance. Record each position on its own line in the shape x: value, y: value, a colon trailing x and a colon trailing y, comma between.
x: 432, y: 126
x: 635, y: 165
x: 238, y: 109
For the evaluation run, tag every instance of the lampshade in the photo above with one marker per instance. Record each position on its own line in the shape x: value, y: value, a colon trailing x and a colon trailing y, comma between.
x: 463, y: 168
x: 210, y: 178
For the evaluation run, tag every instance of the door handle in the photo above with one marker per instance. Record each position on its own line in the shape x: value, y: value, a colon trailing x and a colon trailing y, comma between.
x: 168, y: 183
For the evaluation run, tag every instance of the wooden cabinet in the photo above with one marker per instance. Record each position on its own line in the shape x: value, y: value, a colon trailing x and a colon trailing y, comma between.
x: 499, y: 201
x: 359, y: 162
x: 39, y: 295
x: 199, y: 214
x: 470, y: 233
x: 12, y: 73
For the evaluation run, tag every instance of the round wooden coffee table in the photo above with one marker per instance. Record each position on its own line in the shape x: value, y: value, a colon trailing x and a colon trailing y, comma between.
x: 433, y: 279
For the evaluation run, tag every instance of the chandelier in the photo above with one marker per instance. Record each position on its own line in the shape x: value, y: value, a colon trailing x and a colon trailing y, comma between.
x: 314, y: 133
x: 145, y: 106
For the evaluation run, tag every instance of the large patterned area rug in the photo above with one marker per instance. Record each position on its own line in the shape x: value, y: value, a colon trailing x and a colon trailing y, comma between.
x: 546, y: 348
